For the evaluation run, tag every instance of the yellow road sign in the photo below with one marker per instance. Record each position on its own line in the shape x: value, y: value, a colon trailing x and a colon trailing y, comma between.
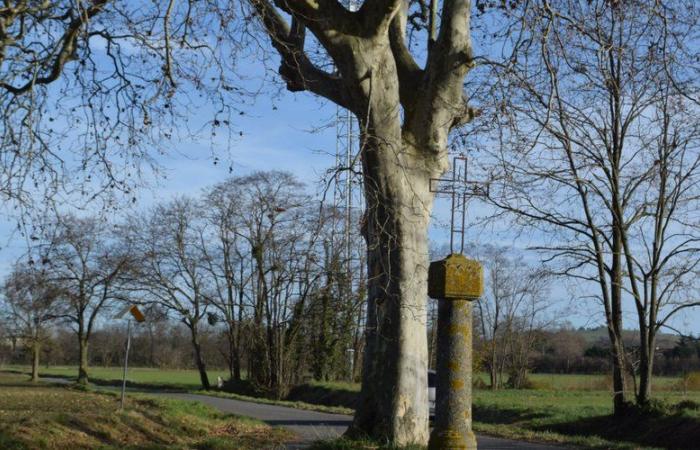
x: 136, y: 312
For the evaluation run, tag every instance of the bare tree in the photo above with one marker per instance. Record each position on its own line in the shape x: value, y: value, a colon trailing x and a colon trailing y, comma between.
x: 30, y: 304
x: 510, y: 312
x: 86, y: 263
x: 596, y: 147
x: 227, y: 260
x: 278, y: 230
x: 89, y: 90
x: 293, y: 295
x: 169, y: 241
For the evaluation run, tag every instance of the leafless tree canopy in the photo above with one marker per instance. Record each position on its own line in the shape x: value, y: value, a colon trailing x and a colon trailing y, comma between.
x: 90, y: 90
x: 31, y: 303
x: 596, y: 146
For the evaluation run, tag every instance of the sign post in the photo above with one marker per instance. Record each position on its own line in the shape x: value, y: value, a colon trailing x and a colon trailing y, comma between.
x: 126, y: 362
x: 137, y: 315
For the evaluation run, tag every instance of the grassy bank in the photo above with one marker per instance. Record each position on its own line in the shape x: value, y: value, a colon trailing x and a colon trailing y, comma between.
x: 566, y: 409
x: 584, y: 418
x: 58, y: 417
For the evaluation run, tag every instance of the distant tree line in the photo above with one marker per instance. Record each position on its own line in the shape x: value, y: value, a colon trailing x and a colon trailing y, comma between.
x: 254, y: 262
x: 255, y: 276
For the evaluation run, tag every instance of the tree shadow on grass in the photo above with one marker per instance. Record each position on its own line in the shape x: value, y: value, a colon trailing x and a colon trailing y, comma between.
x: 676, y: 431
x: 133, y: 386
x: 320, y: 395
x: 503, y: 416
x: 139, y: 386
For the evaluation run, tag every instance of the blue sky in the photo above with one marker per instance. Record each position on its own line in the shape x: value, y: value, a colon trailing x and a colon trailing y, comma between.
x: 292, y: 137
x: 290, y: 132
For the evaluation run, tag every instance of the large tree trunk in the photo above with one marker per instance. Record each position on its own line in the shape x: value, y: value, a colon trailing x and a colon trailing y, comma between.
x: 405, y: 115
x: 402, y: 149
x: 84, y: 360
x: 394, y: 397
x: 36, y: 350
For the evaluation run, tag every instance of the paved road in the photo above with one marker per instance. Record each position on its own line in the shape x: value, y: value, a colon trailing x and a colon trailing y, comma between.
x: 310, y: 425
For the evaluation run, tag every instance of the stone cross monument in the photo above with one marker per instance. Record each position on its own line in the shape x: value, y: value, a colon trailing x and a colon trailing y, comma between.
x: 455, y: 282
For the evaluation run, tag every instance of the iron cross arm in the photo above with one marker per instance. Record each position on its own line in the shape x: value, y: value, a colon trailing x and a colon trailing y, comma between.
x: 467, y: 188
x: 459, y: 184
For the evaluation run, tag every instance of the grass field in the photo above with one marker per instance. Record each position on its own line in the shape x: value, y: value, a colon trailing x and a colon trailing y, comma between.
x: 543, y: 381
x: 176, y: 379
x: 58, y: 417
x: 584, y: 418
x: 567, y: 409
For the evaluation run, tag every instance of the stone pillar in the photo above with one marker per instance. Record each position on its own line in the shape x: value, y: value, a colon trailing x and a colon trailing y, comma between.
x: 455, y: 281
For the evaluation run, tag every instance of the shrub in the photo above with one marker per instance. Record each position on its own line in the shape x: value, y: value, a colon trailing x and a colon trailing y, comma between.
x: 656, y: 407
x: 688, y: 405
x: 478, y: 383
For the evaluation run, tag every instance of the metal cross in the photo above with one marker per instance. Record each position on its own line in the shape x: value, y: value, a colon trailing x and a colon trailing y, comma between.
x: 460, y: 188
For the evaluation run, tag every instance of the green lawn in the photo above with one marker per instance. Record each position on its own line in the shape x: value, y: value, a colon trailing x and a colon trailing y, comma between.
x: 180, y: 379
x: 541, y: 381
x: 567, y: 409
x: 584, y: 418
x: 41, y: 416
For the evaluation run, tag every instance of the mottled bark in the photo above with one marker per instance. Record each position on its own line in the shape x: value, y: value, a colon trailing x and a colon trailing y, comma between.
x: 394, y: 403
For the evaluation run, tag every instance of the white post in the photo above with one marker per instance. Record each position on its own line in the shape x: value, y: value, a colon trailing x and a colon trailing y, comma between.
x: 351, y: 353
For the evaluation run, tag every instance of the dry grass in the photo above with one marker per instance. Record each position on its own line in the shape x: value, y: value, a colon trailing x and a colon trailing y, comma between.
x: 689, y: 382
x: 56, y: 417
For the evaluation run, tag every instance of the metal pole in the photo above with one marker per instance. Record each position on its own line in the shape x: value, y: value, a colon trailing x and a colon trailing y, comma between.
x: 464, y: 208
x: 126, y: 362
x: 452, y: 222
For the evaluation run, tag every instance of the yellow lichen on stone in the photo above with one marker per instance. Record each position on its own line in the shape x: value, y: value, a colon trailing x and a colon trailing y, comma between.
x: 456, y: 278
x: 448, y: 440
x: 460, y: 330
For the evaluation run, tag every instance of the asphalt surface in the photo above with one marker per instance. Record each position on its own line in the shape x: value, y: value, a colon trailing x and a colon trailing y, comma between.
x: 312, y: 425
x: 309, y: 426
